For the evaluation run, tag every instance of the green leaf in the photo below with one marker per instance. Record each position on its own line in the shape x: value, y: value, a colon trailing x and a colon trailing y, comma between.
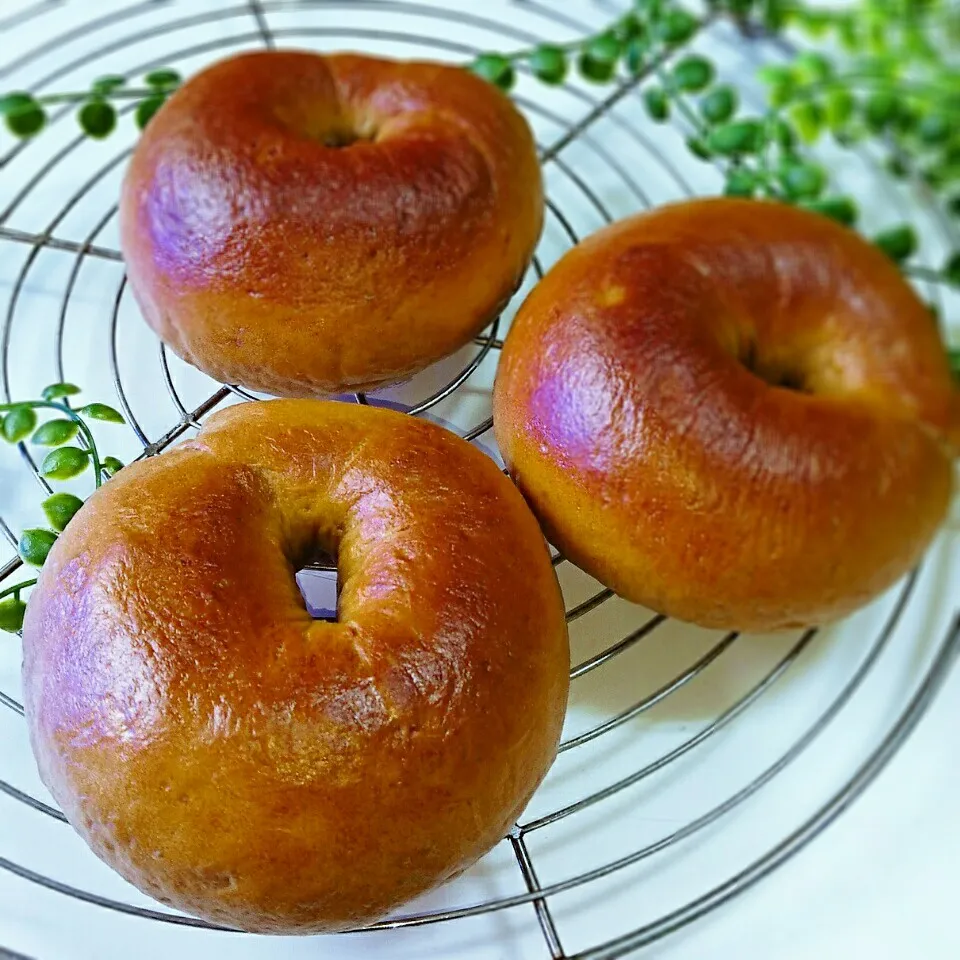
x: 26, y: 122
x: 147, y: 108
x: 804, y: 181
x: 100, y: 411
x: 162, y: 79
x: 880, y: 110
x: 838, y: 108
x: 780, y: 82
x: 934, y: 129
x: 54, y: 433
x: 112, y: 465
x: 493, y: 67
x: 12, y: 612
x: 655, y: 100
x: 698, y: 148
x: 106, y: 85
x: 605, y: 48
x: 951, y: 269
x: 807, y: 118
x: 596, y: 71
x: 812, y: 67
x: 676, y: 27
x: 740, y: 183
x: 18, y: 423
x: 841, y: 209
x: 64, y: 463
x: 736, y: 137
x: 34, y: 546
x: 953, y: 205
x: 635, y: 56
x: 897, y: 167
x: 719, y: 104
x: 898, y: 243
x: 60, y: 509
x: 97, y: 119
x: 629, y: 27
x: 56, y: 391
x: 693, y: 74
x: 16, y: 102
x: 549, y: 64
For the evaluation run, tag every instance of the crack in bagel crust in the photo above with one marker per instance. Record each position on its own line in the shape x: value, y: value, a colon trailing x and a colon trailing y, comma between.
x: 734, y: 412
x: 229, y: 754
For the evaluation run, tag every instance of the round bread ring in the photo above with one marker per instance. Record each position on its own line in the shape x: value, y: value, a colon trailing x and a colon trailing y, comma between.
x: 231, y: 756
x: 734, y: 412
x: 304, y: 224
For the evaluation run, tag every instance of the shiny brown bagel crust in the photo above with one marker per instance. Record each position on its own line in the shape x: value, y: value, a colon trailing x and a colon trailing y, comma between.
x: 303, y: 224
x: 243, y: 762
x: 735, y: 412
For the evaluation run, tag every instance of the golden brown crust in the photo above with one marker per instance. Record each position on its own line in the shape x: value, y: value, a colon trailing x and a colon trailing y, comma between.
x: 268, y: 258
x: 737, y: 413
x: 235, y: 758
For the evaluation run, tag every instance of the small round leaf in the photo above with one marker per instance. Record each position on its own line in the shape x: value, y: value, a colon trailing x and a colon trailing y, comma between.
x: 100, y: 411
x: 60, y: 509
x: 12, y: 612
x: 605, y: 48
x: 162, y: 79
x: 807, y: 119
x: 64, y: 463
x: 596, y: 71
x: 657, y: 104
x: 693, y: 74
x: 106, y: 85
x: 812, y: 67
x: 16, y: 102
x: 898, y: 242
x: 880, y: 109
x: 495, y: 68
x: 97, y: 119
x: 27, y: 122
x: 740, y: 183
x: 951, y: 269
x: 549, y: 64
x: 841, y: 209
x: 55, y: 433
x: 719, y: 105
x: 780, y: 83
x: 736, y: 137
x: 677, y: 26
x: 804, y: 181
x: 698, y: 147
x: 934, y: 129
x: 838, y: 104
x: 146, y: 109
x: 635, y: 55
x: 18, y: 424
x: 112, y: 465
x: 34, y: 546
x: 56, y: 391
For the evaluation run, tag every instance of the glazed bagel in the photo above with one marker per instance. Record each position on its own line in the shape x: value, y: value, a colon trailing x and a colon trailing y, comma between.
x: 734, y: 412
x: 233, y: 757
x: 305, y: 224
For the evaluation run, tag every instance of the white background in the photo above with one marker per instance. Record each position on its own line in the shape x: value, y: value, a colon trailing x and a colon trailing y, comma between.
x: 879, y: 883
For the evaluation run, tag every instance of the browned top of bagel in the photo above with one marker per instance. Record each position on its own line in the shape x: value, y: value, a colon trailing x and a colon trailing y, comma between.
x: 302, y: 223
x: 239, y: 760
x: 732, y: 410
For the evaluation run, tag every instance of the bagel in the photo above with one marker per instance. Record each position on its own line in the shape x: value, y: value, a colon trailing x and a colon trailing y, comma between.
x: 304, y: 224
x: 233, y: 757
x: 735, y: 412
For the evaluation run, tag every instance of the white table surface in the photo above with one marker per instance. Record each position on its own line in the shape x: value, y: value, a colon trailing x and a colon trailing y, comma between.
x: 878, y: 883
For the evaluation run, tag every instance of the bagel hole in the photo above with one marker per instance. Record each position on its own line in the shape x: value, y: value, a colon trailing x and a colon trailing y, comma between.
x: 319, y: 585
x: 772, y: 372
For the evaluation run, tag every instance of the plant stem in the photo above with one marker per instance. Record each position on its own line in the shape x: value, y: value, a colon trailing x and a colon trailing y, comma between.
x: 79, y: 97
x: 73, y: 415
x: 16, y: 588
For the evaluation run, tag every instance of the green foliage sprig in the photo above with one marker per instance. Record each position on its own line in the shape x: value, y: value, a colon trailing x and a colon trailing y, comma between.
x: 19, y: 423
x: 25, y: 114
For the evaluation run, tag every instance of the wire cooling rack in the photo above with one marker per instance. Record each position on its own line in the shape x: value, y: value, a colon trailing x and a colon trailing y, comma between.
x: 693, y: 764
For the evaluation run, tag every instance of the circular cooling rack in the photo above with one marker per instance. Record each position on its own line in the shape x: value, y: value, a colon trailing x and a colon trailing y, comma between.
x: 693, y: 764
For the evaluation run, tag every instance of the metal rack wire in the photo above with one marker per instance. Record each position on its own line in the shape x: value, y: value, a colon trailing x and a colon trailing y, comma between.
x: 593, y: 111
